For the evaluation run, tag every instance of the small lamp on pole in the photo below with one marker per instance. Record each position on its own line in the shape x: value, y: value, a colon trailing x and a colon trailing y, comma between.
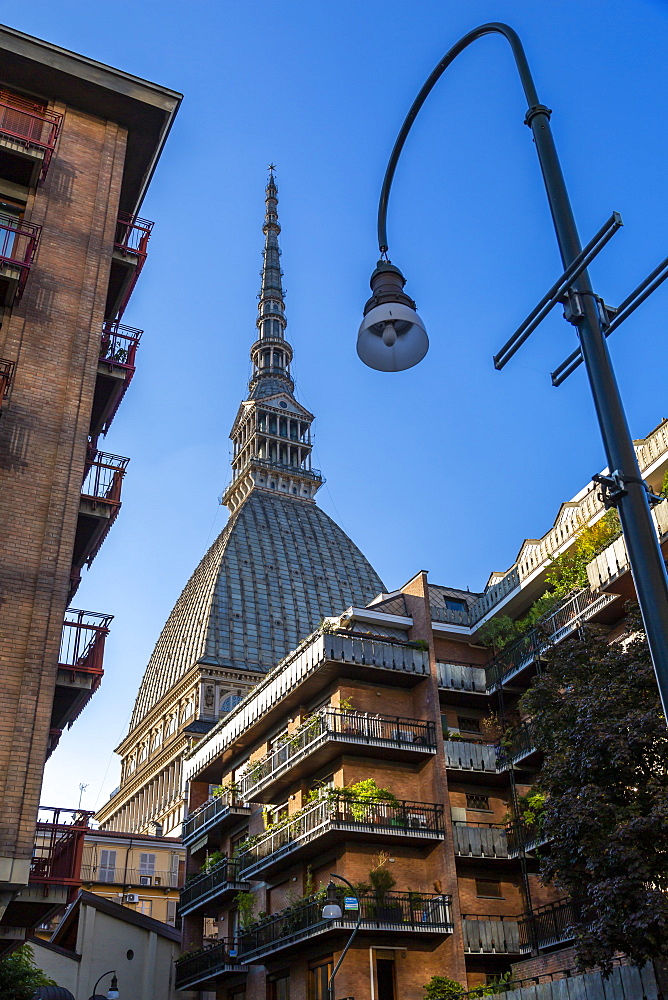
x: 112, y: 993
x: 332, y: 911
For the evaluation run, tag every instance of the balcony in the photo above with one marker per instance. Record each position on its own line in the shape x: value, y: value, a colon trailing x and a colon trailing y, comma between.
x: 28, y: 136
x: 519, y: 659
x: 99, y: 505
x: 461, y: 679
x: 476, y: 759
x: 115, y: 368
x: 524, y: 838
x: 400, y: 914
x: 55, y: 868
x: 215, y: 815
x: 80, y: 667
x: 490, y: 935
x: 548, y: 926
x: 519, y: 749
x: 480, y: 840
x: 324, y: 737
x: 303, y: 674
x: 610, y: 569
x: 18, y: 245
x: 129, y: 256
x: 130, y: 877
x: 334, y: 819
x: 6, y: 379
x: 207, y: 891
x: 207, y: 965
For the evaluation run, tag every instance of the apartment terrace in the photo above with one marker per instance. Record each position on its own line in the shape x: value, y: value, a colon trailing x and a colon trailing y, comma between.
x: 129, y: 256
x: 115, y: 368
x: 548, y: 926
x: 28, y: 136
x: 610, y: 569
x: 474, y: 757
x: 214, y: 815
x: 490, y: 935
x: 19, y: 241
x: 80, y: 666
x: 207, y: 965
x: 99, y: 505
x: 480, y: 840
x: 216, y: 886
x: 321, y: 658
x: 519, y: 748
x: 323, y: 737
x: 335, y: 818
x: 129, y: 877
x: 400, y: 913
x: 7, y: 369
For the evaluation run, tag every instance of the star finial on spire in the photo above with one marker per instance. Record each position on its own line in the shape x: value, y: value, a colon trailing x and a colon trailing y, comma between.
x: 271, y: 168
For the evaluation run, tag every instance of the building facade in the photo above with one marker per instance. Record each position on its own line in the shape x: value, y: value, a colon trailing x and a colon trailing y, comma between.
x: 373, y: 751
x: 79, y: 142
x: 277, y: 569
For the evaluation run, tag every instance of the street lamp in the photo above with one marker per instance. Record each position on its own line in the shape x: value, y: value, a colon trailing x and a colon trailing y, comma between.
x: 112, y: 993
x: 392, y: 337
x: 332, y: 911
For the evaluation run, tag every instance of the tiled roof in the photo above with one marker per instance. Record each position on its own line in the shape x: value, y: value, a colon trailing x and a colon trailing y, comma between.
x: 277, y: 569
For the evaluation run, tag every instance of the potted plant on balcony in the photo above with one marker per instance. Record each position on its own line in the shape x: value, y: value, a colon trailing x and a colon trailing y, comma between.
x: 368, y: 802
x: 383, y: 881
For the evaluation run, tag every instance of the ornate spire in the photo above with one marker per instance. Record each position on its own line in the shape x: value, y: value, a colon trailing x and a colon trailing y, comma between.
x: 272, y: 432
x: 271, y: 354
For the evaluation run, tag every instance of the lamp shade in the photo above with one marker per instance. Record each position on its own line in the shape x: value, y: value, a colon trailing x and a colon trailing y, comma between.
x: 392, y: 338
x: 331, y: 911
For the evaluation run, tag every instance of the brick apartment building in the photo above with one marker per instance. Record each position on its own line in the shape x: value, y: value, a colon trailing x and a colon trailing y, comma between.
x: 79, y: 142
x: 400, y: 692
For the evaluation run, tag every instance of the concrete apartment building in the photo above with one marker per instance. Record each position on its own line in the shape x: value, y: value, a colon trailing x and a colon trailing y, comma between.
x: 279, y: 566
x: 79, y: 142
x: 402, y: 693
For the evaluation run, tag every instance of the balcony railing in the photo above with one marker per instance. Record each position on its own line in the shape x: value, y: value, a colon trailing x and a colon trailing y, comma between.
x: 211, y: 815
x: 480, y: 840
x: 18, y: 245
x: 283, y: 467
x: 461, y: 677
x: 337, y: 814
x: 490, y: 935
x: 211, y: 885
x: 548, y: 925
x: 552, y: 628
x: 30, y: 126
x: 470, y: 756
x: 131, y: 244
x: 59, y: 841
x: 6, y: 377
x: 82, y: 641
x: 118, y: 345
x: 206, y: 964
x: 518, y: 745
x: 408, y: 912
x: 104, y: 478
x: 391, y: 732
x: 524, y: 837
x: 130, y: 877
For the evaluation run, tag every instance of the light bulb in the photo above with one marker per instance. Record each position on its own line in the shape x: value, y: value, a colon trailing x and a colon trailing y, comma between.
x: 389, y: 335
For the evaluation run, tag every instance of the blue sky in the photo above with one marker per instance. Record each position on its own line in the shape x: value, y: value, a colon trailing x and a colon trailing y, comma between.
x: 449, y: 466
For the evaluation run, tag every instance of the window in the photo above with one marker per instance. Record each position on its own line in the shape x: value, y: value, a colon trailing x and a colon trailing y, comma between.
x: 106, y: 871
x: 480, y: 802
x: 468, y: 725
x: 237, y: 839
x: 279, y: 986
x: 147, y: 864
x: 318, y: 978
x: 489, y: 890
x: 171, y: 912
x: 145, y: 906
x: 452, y: 604
x: 230, y: 702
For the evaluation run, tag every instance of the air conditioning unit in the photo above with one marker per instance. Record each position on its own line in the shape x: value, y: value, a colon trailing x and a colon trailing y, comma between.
x: 145, y: 879
x: 131, y: 897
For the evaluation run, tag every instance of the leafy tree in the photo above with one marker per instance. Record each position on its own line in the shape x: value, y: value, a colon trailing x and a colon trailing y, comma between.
x: 19, y: 976
x: 597, y: 717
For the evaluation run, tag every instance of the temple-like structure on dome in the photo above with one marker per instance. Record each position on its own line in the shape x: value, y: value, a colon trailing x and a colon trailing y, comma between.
x: 277, y: 569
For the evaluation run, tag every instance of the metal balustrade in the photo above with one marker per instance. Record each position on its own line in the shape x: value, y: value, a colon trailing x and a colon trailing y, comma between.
x: 350, y: 727
x: 337, y: 813
x: 19, y: 241
x: 480, y: 840
x: 28, y: 125
x: 548, y: 925
x: 206, y: 964
x: 210, y: 815
x: 104, y: 478
x: 130, y: 876
x: 118, y: 345
x: 222, y: 878
x: 490, y: 935
x: 82, y: 641
x: 470, y: 756
x: 408, y: 912
x: 518, y: 744
x: 59, y: 842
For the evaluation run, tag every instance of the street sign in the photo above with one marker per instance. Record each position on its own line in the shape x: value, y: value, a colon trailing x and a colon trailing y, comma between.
x: 350, y: 903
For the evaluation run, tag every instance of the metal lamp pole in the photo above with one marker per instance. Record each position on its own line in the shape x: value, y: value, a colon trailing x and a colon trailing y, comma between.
x: 332, y: 911
x: 113, y: 989
x: 623, y: 487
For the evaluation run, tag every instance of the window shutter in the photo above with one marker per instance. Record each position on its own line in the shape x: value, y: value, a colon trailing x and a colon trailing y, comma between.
x: 107, y: 868
x: 171, y: 912
x: 147, y: 864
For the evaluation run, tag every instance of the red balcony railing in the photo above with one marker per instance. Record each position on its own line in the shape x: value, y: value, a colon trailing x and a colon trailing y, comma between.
x: 59, y: 841
x: 119, y: 345
x: 104, y: 478
x: 30, y: 125
x: 6, y: 377
x: 82, y: 641
x: 131, y: 241
x: 18, y: 245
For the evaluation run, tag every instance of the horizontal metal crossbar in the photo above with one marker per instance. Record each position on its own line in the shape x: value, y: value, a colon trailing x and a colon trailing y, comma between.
x: 556, y: 293
x: 642, y: 291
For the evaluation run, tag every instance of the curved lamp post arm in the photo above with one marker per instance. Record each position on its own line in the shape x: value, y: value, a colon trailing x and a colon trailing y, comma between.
x: 493, y: 27
x: 330, y: 984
